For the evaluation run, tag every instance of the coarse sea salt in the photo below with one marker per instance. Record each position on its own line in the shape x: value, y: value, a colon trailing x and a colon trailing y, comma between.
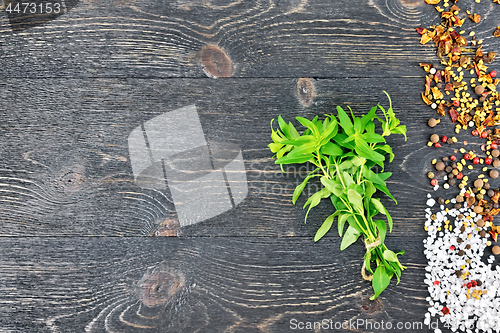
x: 467, y: 297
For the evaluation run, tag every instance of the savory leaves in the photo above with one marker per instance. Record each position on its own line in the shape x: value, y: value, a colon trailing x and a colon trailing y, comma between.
x: 345, y: 150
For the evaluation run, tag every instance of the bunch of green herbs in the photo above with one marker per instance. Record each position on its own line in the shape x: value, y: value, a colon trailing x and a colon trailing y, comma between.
x: 345, y: 151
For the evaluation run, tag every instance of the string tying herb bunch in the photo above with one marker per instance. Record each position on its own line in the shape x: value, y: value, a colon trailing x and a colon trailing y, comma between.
x: 345, y: 150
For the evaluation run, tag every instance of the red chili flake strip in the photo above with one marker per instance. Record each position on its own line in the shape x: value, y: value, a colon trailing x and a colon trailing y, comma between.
x: 497, y: 32
x: 421, y: 30
x: 453, y: 115
x: 475, y: 18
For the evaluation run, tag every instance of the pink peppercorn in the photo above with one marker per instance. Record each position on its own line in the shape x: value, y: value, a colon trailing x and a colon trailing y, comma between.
x: 452, y: 248
x: 434, y: 182
x: 469, y: 285
x: 493, y: 73
x: 445, y: 310
x: 437, y: 145
x: 488, y: 160
x: 453, y: 158
x: 444, y: 138
x: 475, y: 160
x: 484, y: 135
x: 474, y: 283
x: 494, y: 146
x: 436, y: 283
x: 475, y: 132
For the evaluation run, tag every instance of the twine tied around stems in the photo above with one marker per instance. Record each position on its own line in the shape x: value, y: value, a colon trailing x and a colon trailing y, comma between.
x: 369, y: 247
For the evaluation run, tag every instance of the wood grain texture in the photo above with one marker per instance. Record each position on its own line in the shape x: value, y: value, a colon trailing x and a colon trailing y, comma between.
x: 65, y: 165
x: 262, y: 38
x: 230, y: 285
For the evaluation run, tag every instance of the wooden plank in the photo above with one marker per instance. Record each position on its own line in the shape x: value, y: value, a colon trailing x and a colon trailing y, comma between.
x: 65, y: 164
x: 292, y: 38
x: 196, y: 285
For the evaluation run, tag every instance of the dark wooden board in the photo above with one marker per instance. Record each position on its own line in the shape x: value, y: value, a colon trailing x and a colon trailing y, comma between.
x: 289, y: 38
x: 73, y: 89
x: 254, y: 284
x: 66, y: 170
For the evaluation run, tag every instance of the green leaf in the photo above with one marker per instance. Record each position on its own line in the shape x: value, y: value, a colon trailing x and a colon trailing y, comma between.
x: 386, y: 149
x: 373, y: 138
x: 309, y: 124
x: 368, y: 118
x: 355, y: 199
x: 332, y: 186
x: 386, y: 191
x: 293, y: 132
x: 363, y: 149
x: 369, y: 189
x: 284, y: 126
x: 382, y: 229
x: 345, y: 165
x: 357, y: 124
x: 347, y: 178
x: 370, y: 127
x: 325, y: 227
x: 353, y: 223
x: 300, y: 140
x: 330, y: 131
x: 291, y: 160
x: 341, y: 223
x: 380, y: 282
x: 345, y: 121
x: 372, y: 176
x: 384, y: 175
x: 298, y: 190
x: 400, y: 130
x: 383, y: 210
x: 331, y: 148
x: 275, y: 147
x: 315, y: 199
x: 351, y: 235
x: 390, y: 256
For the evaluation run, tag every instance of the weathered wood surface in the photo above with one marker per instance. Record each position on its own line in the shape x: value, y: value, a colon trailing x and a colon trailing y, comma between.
x: 228, y: 285
x: 261, y: 38
x: 66, y: 166
x: 74, y: 88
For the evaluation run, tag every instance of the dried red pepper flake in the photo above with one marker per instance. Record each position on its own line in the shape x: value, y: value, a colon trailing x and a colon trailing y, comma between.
x: 436, y: 283
x: 476, y: 18
x: 497, y: 32
x: 469, y: 285
x: 453, y: 114
x: 421, y: 30
x: 452, y: 247
x: 474, y: 283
